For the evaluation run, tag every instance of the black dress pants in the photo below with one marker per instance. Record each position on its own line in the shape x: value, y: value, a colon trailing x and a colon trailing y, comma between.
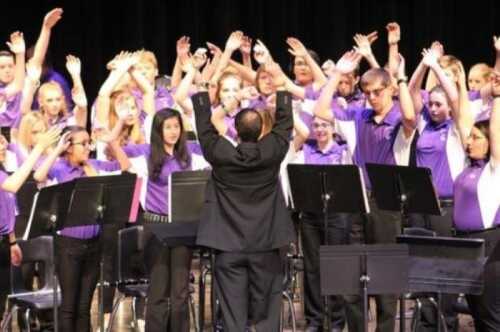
x: 313, y: 235
x: 249, y: 289
x: 77, y: 266
x: 381, y: 226
x: 168, y: 294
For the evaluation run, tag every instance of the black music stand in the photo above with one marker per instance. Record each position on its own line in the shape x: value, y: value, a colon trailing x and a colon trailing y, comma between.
x: 186, y: 197
x: 445, y: 264
x: 105, y: 200
x: 365, y: 269
x: 50, y: 205
x: 83, y: 201
x: 324, y: 188
x: 24, y: 197
x: 407, y: 190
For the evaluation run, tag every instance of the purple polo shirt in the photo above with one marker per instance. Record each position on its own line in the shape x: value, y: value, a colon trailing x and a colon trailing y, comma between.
x: 374, y: 141
x: 431, y: 153
x: 163, y: 99
x: 156, y: 189
x: 12, y: 113
x: 474, y: 95
x: 230, y: 124
x: 63, y: 171
x: 7, y: 207
x: 314, y: 156
x: 258, y: 103
x: 467, y: 212
x: 355, y: 102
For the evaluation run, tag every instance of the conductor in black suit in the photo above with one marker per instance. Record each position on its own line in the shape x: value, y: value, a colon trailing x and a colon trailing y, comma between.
x: 245, y: 218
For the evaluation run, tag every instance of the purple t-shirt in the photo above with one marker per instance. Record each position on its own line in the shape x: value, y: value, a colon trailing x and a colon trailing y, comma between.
x: 7, y: 207
x: 431, y: 153
x: 63, y: 171
x: 467, y: 212
x: 314, y: 156
x: 157, y: 189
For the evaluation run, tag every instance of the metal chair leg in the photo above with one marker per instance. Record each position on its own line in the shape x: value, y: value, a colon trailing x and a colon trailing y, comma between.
x: 416, y: 315
x: 27, y: 320
x: 291, y: 309
x: 6, y: 320
x: 192, y: 310
x: 116, y: 306
x: 134, y: 314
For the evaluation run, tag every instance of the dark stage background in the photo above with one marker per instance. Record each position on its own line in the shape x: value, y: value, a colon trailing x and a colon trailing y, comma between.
x: 95, y: 30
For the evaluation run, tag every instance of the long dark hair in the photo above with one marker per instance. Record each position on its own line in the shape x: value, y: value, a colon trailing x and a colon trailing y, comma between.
x: 158, y: 155
x: 484, y: 128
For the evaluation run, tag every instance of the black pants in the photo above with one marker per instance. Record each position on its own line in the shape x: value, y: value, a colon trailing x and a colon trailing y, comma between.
x: 485, y: 308
x: 168, y: 294
x: 4, y: 271
x: 249, y: 289
x: 442, y: 225
x: 109, y: 240
x: 381, y: 226
x: 78, y: 270
x: 313, y: 235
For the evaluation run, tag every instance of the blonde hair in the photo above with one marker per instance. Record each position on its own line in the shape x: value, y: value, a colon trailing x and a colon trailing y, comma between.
x: 374, y: 75
x: 451, y: 62
x: 483, y: 68
x: 130, y: 133
x: 53, y: 85
x: 148, y: 56
x: 223, y: 77
x: 29, y: 120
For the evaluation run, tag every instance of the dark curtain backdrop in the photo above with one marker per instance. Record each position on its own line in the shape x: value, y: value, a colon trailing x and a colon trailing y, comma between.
x: 95, y: 30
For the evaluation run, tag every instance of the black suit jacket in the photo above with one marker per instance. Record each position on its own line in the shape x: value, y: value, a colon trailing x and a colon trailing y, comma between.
x: 244, y: 207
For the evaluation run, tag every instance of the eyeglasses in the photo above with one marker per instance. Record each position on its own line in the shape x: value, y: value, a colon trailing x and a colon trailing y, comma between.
x: 85, y: 144
x: 320, y: 125
x: 375, y: 92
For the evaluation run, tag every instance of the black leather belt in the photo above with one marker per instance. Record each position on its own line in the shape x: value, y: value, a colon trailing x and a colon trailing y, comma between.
x: 446, y: 202
x: 465, y: 233
x: 154, y: 217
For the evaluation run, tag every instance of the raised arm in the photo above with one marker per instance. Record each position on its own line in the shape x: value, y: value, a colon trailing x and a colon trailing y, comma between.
x: 17, y: 47
x: 74, y: 67
x: 431, y: 82
x: 233, y: 43
x: 283, y: 123
x: 495, y: 120
x: 16, y: 180
x: 301, y: 131
x: 207, y: 134
x: 364, y: 48
x: 346, y: 64
x: 182, y: 48
x: 415, y: 86
x: 393, y: 38
x: 42, y: 43
x: 464, y: 117
x: 409, y: 118
x: 280, y: 79
x: 121, y: 64
x: 246, y: 52
x: 31, y: 83
x: 297, y: 49
x: 42, y: 172
x: 148, y: 90
x: 182, y: 92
